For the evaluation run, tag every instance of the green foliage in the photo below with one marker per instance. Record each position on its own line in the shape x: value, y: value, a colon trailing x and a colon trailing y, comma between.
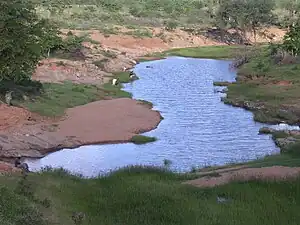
x: 58, y: 97
x: 56, y: 6
x: 245, y: 14
x: 171, y: 25
x: 291, y: 40
x: 22, y: 39
x: 24, y: 87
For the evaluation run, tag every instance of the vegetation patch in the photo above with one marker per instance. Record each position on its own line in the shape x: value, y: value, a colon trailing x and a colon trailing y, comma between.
x: 140, y: 33
x: 221, y: 83
x: 162, y: 189
x: 141, y: 139
x: 115, y: 91
x: 209, y: 52
x: 56, y: 98
x: 269, y: 82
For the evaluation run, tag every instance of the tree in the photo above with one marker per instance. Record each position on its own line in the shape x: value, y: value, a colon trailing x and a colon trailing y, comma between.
x: 246, y: 15
x: 22, y: 39
x: 291, y: 40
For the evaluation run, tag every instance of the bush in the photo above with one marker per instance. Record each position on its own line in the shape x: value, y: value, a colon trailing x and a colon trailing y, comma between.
x: 141, y: 139
x: 22, y: 88
x: 171, y: 25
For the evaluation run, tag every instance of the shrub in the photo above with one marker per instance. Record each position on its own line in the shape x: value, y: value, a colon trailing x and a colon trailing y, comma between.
x: 170, y: 25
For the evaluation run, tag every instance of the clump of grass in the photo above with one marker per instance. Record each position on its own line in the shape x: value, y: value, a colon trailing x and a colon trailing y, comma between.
x: 170, y: 25
x: 139, y: 33
x: 141, y: 139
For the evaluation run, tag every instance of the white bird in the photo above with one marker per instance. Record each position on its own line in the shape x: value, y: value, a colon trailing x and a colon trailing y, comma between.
x: 115, y: 81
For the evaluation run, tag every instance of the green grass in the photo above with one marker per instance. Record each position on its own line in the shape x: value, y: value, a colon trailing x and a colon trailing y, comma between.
x: 147, y: 196
x: 211, y: 52
x: 257, y: 83
x: 58, y: 97
x: 115, y: 91
x: 123, y: 77
x: 141, y: 139
x: 290, y: 158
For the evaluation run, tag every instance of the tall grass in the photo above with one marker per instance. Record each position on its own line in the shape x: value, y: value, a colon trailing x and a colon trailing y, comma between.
x: 146, y: 196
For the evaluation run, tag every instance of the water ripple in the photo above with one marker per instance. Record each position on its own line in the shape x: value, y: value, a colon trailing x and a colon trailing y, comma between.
x: 198, y: 129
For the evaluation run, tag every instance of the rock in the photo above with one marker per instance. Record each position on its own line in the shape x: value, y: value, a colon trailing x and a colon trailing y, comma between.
x: 266, y: 130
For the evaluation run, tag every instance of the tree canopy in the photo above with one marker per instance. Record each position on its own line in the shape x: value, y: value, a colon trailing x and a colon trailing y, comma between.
x: 23, y: 39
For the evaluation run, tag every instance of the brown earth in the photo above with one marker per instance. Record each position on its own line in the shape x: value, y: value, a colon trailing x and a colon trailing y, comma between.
x: 25, y: 134
x: 243, y: 174
x: 100, y: 122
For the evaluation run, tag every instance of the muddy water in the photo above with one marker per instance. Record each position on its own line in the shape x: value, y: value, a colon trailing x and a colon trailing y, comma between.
x: 198, y: 129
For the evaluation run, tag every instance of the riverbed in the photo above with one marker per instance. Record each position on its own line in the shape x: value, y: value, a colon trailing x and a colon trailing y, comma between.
x: 198, y: 129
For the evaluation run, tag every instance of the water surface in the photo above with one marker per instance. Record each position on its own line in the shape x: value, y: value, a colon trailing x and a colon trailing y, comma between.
x: 198, y: 129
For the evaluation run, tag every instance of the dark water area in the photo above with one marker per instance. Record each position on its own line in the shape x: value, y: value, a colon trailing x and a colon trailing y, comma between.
x: 198, y: 129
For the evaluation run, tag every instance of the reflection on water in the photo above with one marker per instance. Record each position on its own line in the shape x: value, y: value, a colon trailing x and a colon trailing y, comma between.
x: 198, y: 128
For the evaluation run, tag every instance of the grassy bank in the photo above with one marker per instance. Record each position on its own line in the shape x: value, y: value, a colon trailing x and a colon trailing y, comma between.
x: 56, y: 98
x: 272, y: 88
x: 145, y: 196
x: 209, y: 52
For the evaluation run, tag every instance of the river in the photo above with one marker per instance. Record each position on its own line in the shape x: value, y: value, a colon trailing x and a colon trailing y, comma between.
x: 198, y: 129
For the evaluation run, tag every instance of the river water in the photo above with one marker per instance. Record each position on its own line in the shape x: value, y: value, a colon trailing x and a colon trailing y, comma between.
x: 198, y: 129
